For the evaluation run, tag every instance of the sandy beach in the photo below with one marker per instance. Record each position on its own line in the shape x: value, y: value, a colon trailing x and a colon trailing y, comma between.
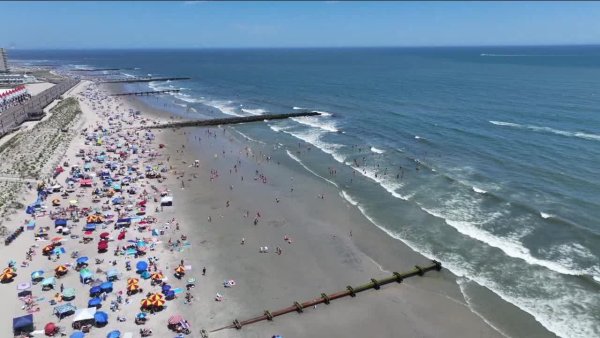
x: 240, y: 196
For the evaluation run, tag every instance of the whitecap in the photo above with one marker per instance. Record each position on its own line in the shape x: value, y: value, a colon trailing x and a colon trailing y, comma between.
x: 257, y: 111
x: 545, y: 215
x: 348, y: 198
x: 479, y: 191
x: 316, y: 122
x: 377, y: 150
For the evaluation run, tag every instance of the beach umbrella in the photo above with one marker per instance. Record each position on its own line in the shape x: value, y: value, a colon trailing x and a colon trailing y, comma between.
x: 166, y: 288
x: 82, y: 260
x: 180, y: 270
x: 158, y: 276
x: 156, y: 296
x: 101, y: 317
x: 114, y: 334
x: 48, y: 281
x: 141, y: 266
x: 132, y: 280
x: 159, y: 302
x: 56, y: 239
x: 95, y: 290
x: 61, y: 270
x: 77, y: 334
x: 102, y: 246
x: 140, y: 315
x: 175, y: 319
x: 146, y: 303
x: 48, y: 248
x: 145, y: 275
x: 133, y: 287
x: 104, y: 235
x: 95, y: 302
x: 49, y: 329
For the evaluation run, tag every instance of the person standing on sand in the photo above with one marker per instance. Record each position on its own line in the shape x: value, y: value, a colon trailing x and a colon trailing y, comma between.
x: 204, y: 271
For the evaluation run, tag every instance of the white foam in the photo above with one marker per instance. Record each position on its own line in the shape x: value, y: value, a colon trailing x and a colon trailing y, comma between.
x: 578, y: 134
x: 479, y: 191
x: 545, y: 215
x: 323, y: 113
x: 316, y: 122
x: 298, y: 108
x: 224, y: 106
x: 386, y: 184
x: 377, y: 150
x: 313, y: 136
x: 295, y: 158
x: 277, y: 128
x: 510, y: 246
x: 246, y: 136
x: 257, y: 111
x: 348, y: 198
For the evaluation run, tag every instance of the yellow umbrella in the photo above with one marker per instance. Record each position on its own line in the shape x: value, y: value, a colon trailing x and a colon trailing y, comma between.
x: 157, y: 276
x: 156, y: 296
x: 146, y: 303
x: 180, y: 269
x: 61, y: 269
x: 6, y: 276
x: 158, y: 302
x: 132, y: 281
x: 133, y: 287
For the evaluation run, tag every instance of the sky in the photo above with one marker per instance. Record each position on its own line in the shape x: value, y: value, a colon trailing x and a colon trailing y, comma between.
x: 208, y: 24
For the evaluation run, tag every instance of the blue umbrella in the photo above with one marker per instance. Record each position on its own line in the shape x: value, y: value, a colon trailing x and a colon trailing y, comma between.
x: 101, y: 317
x: 145, y: 275
x: 95, y: 302
x: 95, y: 290
x: 141, y: 315
x: 166, y: 288
x: 82, y: 260
x: 141, y: 266
x: 114, y: 334
x: 106, y: 286
x: 77, y: 334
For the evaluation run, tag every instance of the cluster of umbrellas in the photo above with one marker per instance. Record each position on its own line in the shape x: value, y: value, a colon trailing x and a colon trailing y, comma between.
x: 156, y: 300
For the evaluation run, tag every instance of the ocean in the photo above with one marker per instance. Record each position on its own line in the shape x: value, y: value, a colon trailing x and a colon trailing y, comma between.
x: 484, y: 158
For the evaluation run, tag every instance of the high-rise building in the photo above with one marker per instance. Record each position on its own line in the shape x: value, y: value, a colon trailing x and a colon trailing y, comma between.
x: 3, y: 61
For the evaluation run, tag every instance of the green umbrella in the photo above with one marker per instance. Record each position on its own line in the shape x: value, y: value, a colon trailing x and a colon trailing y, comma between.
x: 49, y: 281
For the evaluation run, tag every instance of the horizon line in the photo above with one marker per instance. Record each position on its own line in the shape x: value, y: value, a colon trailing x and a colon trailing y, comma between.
x: 303, y: 47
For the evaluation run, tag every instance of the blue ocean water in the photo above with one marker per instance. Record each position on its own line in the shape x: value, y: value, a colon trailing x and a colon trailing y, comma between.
x: 486, y: 159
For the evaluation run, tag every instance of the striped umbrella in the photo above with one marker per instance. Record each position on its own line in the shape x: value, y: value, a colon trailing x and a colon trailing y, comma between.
x: 180, y: 269
x: 133, y: 287
x: 146, y: 303
x: 158, y: 276
x: 61, y: 269
x: 159, y: 302
x: 156, y: 296
x: 132, y: 281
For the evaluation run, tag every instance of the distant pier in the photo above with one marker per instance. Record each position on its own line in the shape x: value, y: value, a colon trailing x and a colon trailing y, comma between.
x: 147, y: 79
x: 231, y: 120
x: 156, y: 92
x: 95, y: 69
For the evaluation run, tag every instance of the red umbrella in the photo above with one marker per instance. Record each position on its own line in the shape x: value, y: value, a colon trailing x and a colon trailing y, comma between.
x: 104, y: 235
x: 50, y: 329
x: 102, y: 245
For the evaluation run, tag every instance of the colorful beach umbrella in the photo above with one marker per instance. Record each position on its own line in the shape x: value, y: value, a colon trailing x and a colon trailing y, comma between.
x: 175, y: 319
x: 180, y: 270
x: 146, y: 303
x: 61, y: 270
x: 158, y: 276
x: 132, y: 281
x: 133, y: 287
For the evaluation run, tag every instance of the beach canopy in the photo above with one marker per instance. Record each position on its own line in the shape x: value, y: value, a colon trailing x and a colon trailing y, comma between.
x: 90, y: 227
x: 77, y: 334
x: 37, y: 274
x: 23, y: 323
x: 141, y: 266
x: 64, y: 309
x: 114, y: 334
x: 82, y: 260
x: 60, y: 222
x: 101, y: 317
x: 95, y: 302
x: 112, y: 273
x: 84, y: 314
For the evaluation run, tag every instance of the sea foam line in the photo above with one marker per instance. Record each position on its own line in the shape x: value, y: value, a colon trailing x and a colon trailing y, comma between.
x: 295, y: 158
x: 578, y: 134
x: 316, y: 122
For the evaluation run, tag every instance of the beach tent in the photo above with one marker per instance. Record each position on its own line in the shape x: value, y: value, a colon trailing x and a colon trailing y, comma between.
x: 114, y: 334
x: 23, y: 324
x: 106, y: 287
x: 64, y: 310
x: 49, y: 281
x: 82, y: 260
x: 50, y: 329
x: 90, y: 227
x: 123, y: 222
x: 77, y: 334
x: 95, y: 302
x: 85, y: 276
x: 166, y: 201
x: 31, y: 225
x: 37, y: 275
x: 60, y: 222
x: 101, y: 318
x: 112, y: 275
x: 95, y: 291
x: 84, y: 314
x: 141, y: 266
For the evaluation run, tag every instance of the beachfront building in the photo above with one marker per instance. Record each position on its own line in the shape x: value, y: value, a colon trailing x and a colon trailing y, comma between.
x: 3, y: 61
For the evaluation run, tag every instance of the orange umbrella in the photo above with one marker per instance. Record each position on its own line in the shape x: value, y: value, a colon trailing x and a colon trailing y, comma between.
x: 146, y: 303
x: 7, y: 275
x: 56, y: 239
x: 158, y: 302
x: 156, y: 296
x: 133, y: 287
x: 8, y: 270
x: 61, y: 269
x: 132, y: 281
x: 157, y: 276
x: 180, y: 269
x: 48, y: 248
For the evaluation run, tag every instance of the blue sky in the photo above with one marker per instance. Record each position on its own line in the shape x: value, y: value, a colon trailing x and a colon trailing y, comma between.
x: 204, y: 24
